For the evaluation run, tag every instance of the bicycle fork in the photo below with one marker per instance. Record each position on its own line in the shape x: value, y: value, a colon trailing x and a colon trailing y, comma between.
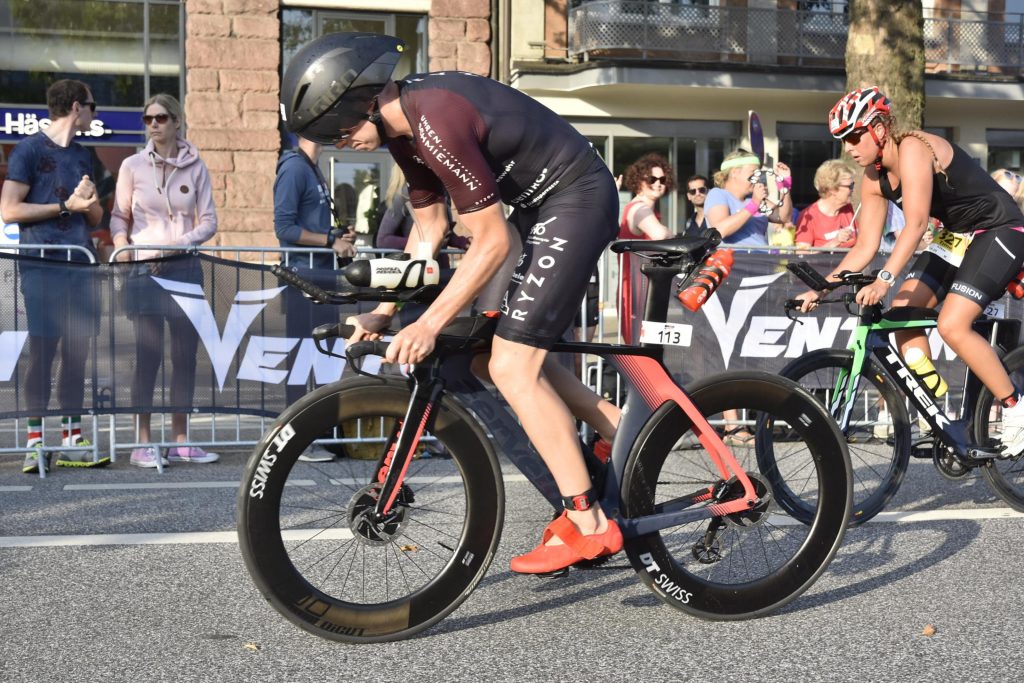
x: 405, y: 438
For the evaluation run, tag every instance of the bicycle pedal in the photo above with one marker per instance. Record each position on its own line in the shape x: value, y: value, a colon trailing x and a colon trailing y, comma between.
x: 557, y: 574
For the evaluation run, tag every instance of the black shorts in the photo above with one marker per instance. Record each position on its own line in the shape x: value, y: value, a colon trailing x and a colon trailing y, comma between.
x: 993, y: 258
x: 61, y: 298
x: 562, y: 240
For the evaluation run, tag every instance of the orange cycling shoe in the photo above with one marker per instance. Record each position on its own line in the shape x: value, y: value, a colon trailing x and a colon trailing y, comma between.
x: 545, y: 559
x: 602, y: 450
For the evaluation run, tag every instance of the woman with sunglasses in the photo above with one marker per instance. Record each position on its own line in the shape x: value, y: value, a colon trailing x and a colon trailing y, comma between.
x: 828, y: 222
x: 738, y: 206
x: 648, y: 178
x: 1012, y: 183
x: 164, y: 197
x: 969, y: 263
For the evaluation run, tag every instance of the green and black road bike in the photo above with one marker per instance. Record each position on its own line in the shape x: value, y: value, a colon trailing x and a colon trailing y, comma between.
x: 867, y: 389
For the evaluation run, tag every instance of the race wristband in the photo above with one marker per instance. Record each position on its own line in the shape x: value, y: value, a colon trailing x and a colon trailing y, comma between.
x: 752, y: 207
x: 784, y: 183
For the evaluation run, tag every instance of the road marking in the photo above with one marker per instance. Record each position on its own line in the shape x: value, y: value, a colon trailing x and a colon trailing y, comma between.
x: 427, y: 479
x: 192, y: 538
x: 946, y: 515
x: 15, y: 488
x: 174, y: 485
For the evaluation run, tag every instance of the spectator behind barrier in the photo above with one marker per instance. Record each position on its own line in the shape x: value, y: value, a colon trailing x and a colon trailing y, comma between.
x: 1012, y: 182
x: 733, y: 207
x: 829, y: 222
x: 696, y: 194
x: 164, y: 197
x: 305, y: 216
x: 49, y: 193
x: 648, y: 178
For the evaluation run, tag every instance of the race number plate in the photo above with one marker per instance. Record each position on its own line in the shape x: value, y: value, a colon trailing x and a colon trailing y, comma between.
x: 665, y: 334
x: 950, y: 246
x: 996, y: 309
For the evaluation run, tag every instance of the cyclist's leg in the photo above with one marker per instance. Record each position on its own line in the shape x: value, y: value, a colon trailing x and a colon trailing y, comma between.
x: 584, y: 403
x: 993, y: 258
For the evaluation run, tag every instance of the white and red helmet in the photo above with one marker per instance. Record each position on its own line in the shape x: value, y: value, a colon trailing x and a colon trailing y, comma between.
x: 857, y: 109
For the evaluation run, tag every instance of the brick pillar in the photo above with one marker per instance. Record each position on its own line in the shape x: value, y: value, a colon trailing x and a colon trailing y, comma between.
x: 232, y: 56
x: 460, y: 35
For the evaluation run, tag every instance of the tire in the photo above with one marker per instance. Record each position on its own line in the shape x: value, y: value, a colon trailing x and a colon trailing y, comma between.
x: 299, y: 530
x: 761, y: 560
x: 1004, y: 476
x: 879, y: 457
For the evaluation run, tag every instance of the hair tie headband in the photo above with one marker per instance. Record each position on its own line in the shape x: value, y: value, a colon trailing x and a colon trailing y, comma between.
x: 740, y: 161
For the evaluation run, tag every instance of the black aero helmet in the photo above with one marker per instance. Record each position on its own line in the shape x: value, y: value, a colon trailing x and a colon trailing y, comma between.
x: 330, y: 83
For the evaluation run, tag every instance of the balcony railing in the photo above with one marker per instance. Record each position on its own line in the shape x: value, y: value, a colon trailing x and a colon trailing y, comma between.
x: 642, y: 30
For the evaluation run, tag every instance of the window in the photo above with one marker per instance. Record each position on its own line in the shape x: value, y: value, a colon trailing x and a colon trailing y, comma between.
x: 103, y: 43
x: 299, y: 26
x: 1005, y: 149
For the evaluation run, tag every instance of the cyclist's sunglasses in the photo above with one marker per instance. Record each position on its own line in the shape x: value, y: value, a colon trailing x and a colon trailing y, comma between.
x: 159, y: 118
x: 854, y: 136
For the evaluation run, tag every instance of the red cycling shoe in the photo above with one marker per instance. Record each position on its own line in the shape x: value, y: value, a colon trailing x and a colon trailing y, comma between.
x: 545, y: 559
x: 602, y: 450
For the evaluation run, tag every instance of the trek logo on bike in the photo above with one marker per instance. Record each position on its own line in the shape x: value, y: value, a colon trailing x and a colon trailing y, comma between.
x: 920, y: 393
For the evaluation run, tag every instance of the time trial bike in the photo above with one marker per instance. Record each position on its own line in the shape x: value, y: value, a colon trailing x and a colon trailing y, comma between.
x: 364, y: 551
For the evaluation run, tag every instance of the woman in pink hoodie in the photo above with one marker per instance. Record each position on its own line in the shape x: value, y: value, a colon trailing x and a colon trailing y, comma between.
x: 164, y: 197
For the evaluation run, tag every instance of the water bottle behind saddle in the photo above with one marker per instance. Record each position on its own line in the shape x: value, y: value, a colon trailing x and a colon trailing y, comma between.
x: 1016, y: 286
x: 711, y: 273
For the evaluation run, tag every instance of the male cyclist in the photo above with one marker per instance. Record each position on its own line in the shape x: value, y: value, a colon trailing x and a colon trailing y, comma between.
x: 968, y: 267
x: 484, y: 143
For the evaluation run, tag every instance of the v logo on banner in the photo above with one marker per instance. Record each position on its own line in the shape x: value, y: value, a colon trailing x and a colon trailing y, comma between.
x: 728, y: 328
x: 220, y: 347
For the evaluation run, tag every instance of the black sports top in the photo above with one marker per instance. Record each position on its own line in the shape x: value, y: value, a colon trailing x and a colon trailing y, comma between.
x: 482, y: 141
x: 964, y: 198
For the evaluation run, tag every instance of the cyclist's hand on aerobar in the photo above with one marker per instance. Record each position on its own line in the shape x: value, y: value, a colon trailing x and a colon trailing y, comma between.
x: 411, y: 345
x: 809, y: 301
x: 873, y: 293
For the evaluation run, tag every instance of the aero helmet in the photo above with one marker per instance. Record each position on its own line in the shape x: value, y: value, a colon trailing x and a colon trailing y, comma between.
x: 857, y: 110
x: 330, y: 84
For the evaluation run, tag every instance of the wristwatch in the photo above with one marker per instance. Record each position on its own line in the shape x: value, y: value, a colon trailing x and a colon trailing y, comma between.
x: 63, y: 211
x: 886, y: 277
x: 330, y: 238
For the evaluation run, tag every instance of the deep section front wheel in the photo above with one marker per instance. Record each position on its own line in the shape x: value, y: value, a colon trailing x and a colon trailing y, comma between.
x: 1004, y: 475
x: 750, y: 563
x: 874, y: 423
x: 315, y: 550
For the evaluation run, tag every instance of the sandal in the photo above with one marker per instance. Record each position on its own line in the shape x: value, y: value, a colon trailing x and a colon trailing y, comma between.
x: 545, y: 559
x: 737, y: 436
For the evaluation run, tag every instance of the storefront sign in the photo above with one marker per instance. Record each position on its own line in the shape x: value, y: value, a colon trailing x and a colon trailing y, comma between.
x: 108, y: 126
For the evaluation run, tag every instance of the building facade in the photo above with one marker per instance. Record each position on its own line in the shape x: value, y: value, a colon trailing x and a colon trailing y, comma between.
x: 673, y: 76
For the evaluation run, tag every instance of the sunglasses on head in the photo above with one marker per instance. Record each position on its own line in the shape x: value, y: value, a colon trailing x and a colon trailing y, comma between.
x: 159, y: 118
x: 697, y: 190
x: 90, y: 104
x: 652, y: 179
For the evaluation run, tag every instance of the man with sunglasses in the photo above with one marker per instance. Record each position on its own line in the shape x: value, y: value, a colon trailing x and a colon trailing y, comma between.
x: 49, y: 194
x: 483, y: 144
x: 696, y: 194
x: 969, y: 263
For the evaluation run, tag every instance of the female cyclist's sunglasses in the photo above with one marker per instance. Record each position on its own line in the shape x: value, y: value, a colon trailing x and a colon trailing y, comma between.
x: 159, y: 118
x: 854, y: 136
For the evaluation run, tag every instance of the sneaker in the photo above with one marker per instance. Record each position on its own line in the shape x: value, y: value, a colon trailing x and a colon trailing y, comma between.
x: 1013, y: 430
x: 32, y: 458
x: 146, y: 457
x: 190, y: 454
x: 80, y: 458
x: 316, y: 453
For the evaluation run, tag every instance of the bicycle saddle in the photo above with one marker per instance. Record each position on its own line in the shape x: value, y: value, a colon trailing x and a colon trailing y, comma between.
x: 685, y: 244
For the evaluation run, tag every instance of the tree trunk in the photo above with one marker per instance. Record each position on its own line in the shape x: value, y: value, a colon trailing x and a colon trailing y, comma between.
x: 885, y: 47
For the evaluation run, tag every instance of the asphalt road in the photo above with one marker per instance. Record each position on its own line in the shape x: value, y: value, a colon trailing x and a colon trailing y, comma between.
x: 179, y: 606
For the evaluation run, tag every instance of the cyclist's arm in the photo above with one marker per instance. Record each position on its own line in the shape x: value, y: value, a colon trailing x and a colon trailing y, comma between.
x: 915, y: 168
x: 486, y: 253
x: 870, y: 226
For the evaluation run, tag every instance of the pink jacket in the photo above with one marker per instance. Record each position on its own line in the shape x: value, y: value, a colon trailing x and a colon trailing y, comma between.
x: 164, y: 201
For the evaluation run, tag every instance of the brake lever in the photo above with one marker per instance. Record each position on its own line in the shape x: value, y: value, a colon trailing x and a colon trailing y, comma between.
x: 793, y: 305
